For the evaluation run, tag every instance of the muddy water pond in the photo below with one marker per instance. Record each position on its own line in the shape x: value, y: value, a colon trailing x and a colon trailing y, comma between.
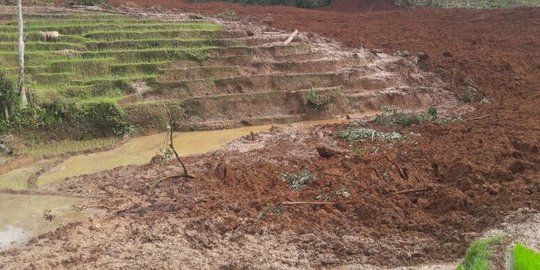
x: 140, y: 150
x: 25, y: 216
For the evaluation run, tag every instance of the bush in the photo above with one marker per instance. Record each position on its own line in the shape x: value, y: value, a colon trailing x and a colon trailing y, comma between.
x: 316, y: 100
x: 298, y: 180
x: 8, y: 96
x: 392, y: 115
x: 356, y: 133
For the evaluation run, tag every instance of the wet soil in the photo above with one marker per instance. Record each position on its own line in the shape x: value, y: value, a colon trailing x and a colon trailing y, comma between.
x: 412, y: 201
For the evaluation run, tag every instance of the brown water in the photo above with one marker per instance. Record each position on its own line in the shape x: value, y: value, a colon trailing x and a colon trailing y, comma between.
x: 21, y: 216
x: 140, y: 150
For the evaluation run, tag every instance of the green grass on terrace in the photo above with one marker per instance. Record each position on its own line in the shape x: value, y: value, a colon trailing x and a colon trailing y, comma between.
x: 97, y: 57
x: 525, y: 258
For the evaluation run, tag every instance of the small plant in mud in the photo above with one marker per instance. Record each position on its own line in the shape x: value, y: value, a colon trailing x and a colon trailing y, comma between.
x: 355, y: 133
x: 269, y: 209
x: 317, y: 101
x: 48, y: 215
x: 470, y: 94
x: 403, y: 53
x: 298, y: 180
x: 332, y: 195
x: 392, y: 115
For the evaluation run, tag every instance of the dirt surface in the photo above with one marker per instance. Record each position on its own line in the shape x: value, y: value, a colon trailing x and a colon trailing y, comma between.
x: 452, y: 181
x: 360, y: 5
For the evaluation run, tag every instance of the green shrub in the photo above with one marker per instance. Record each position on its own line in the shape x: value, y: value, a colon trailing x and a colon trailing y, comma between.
x: 356, y: 133
x: 392, y: 115
x: 8, y: 96
x: 316, y: 100
x: 299, y: 180
x: 470, y: 94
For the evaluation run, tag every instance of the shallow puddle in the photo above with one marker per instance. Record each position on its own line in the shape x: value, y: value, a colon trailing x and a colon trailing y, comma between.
x: 136, y: 151
x: 22, y: 216
x: 140, y: 150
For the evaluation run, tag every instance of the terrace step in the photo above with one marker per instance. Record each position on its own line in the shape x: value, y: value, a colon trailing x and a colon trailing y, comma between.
x: 257, y: 104
x: 351, y: 81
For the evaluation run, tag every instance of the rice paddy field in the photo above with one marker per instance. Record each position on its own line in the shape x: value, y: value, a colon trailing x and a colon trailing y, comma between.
x: 97, y: 56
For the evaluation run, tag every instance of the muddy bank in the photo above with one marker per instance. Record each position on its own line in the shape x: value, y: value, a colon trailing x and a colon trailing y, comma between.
x: 236, y: 207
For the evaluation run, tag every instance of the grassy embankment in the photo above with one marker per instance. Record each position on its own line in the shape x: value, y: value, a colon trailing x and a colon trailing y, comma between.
x: 77, y: 79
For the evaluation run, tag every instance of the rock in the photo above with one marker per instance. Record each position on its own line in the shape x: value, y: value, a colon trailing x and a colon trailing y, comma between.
x: 327, y: 152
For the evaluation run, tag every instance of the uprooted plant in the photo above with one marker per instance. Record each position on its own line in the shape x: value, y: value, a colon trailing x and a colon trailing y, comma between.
x: 392, y: 115
x: 332, y: 195
x: 298, y: 180
x: 356, y: 132
x: 269, y: 209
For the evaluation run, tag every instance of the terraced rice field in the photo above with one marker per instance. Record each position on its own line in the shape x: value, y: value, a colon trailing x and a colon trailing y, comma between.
x: 209, y: 75
x: 97, y: 56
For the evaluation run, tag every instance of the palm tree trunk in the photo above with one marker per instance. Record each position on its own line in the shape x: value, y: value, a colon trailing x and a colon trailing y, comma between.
x: 21, y: 86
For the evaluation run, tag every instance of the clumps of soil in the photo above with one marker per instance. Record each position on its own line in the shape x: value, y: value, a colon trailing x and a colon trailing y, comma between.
x: 407, y: 203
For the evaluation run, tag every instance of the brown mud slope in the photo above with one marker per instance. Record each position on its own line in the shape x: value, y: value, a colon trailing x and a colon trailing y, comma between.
x: 360, y: 5
x: 412, y: 201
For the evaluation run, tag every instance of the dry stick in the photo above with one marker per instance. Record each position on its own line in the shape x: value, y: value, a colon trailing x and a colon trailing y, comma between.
x: 291, y: 37
x: 410, y: 191
x: 315, y: 203
x: 477, y: 118
x: 401, y: 172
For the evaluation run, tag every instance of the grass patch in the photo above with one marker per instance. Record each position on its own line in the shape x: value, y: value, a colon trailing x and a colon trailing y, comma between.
x: 525, y: 258
x: 298, y: 180
x: 58, y: 148
x: 477, y: 255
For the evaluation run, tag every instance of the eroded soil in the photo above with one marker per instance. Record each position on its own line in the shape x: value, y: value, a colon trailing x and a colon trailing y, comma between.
x: 460, y: 179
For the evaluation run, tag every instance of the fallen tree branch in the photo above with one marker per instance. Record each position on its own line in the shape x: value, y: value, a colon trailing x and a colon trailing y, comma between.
x: 291, y: 37
x: 477, y: 118
x: 313, y: 203
x: 410, y: 191
x: 171, y: 146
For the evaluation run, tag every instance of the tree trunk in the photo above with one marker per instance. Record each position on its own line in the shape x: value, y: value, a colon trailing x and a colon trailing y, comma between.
x: 21, y: 86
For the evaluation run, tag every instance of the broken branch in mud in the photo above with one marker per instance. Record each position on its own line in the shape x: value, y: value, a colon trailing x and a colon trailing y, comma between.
x: 313, y: 203
x: 291, y: 37
x: 477, y: 118
x: 413, y: 190
x: 171, y: 146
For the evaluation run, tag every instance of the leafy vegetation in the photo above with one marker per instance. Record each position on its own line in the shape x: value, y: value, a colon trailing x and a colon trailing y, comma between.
x: 269, y: 209
x: 316, y: 100
x: 357, y: 132
x: 77, y: 80
x: 525, y: 258
x: 470, y: 94
x: 477, y: 255
x: 8, y: 96
x: 298, y: 180
x: 332, y: 195
x: 392, y: 115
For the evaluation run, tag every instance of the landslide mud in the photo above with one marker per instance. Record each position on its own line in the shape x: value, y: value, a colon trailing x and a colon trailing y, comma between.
x: 469, y: 174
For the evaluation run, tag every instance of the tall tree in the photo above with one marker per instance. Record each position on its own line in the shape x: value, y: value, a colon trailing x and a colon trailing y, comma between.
x: 21, y: 86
